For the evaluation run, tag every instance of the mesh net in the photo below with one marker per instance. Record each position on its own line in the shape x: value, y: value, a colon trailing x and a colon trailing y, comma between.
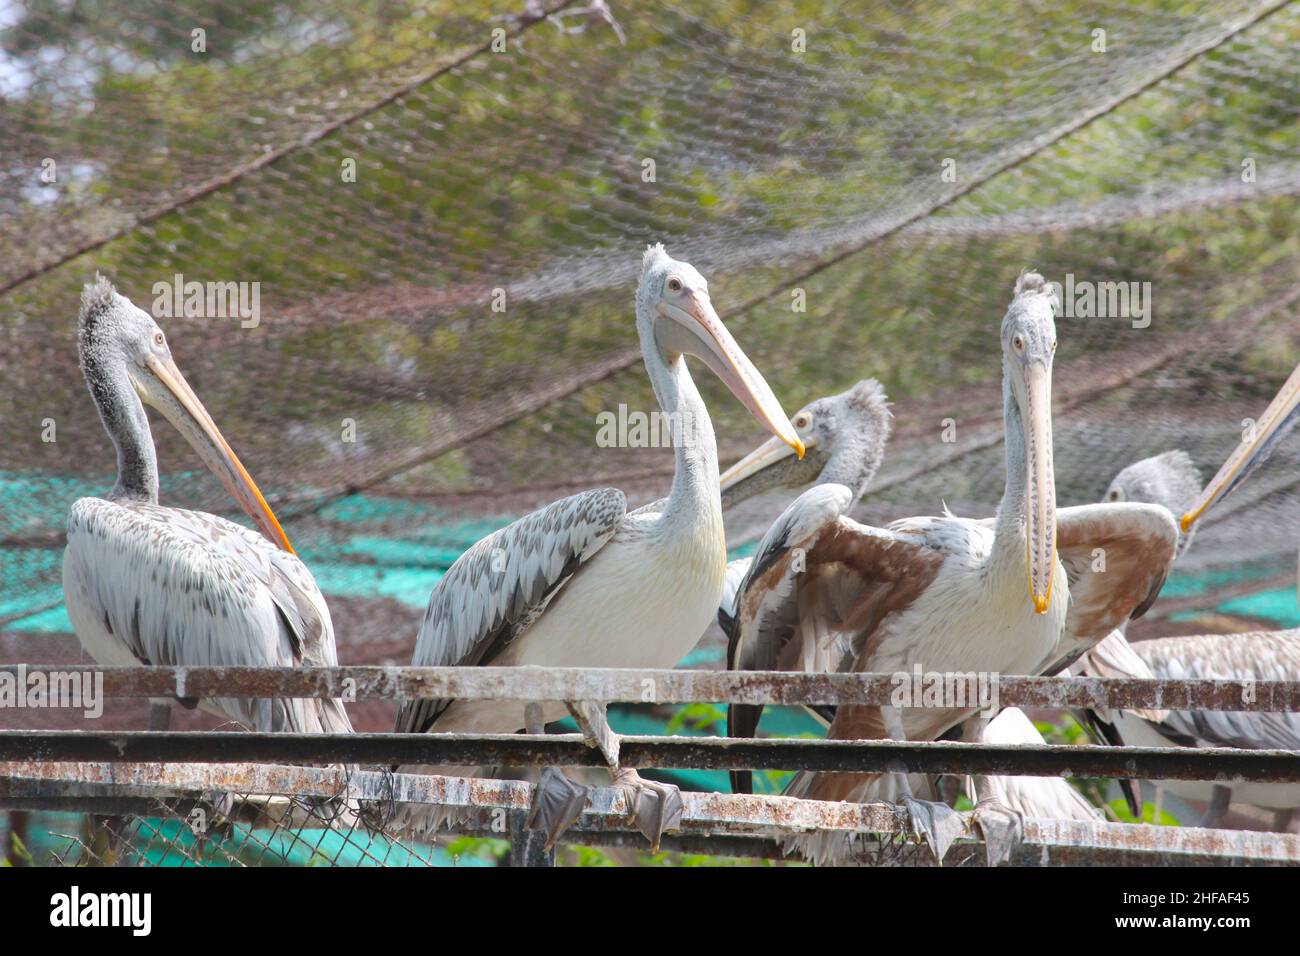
x: 387, y: 174
x: 256, y: 830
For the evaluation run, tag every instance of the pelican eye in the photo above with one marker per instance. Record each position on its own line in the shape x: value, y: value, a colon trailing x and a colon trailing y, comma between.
x: 674, y: 284
x: 802, y: 420
x: 1114, y: 495
x: 1019, y: 343
x: 158, y: 338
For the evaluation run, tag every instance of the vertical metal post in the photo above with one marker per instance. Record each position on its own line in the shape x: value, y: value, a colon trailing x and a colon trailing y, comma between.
x: 528, y: 847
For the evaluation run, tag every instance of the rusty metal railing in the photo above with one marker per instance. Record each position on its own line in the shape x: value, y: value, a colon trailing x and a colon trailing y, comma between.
x: 609, y: 685
x: 106, y: 770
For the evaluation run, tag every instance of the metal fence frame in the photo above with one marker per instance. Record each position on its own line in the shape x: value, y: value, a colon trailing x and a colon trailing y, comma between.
x: 129, y: 772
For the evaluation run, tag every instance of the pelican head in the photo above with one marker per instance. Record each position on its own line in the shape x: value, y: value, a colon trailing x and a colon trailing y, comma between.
x: 675, y: 313
x: 1278, y: 419
x: 126, y: 361
x: 844, y: 435
x: 1171, y: 480
x: 1028, y: 345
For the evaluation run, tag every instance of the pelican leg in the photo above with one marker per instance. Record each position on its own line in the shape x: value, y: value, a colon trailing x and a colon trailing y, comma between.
x: 558, y: 802
x: 656, y: 807
x: 936, y: 823
x: 1219, y: 800
x: 1001, y: 827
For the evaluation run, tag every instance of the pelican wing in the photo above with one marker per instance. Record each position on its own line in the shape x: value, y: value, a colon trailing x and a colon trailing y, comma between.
x: 815, y: 613
x: 1116, y: 557
x: 497, y: 588
x: 1260, y: 655
x: 153, y: 585
x: 763, y: 597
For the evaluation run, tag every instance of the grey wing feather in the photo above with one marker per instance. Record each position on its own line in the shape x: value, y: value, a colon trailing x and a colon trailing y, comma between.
x: 1264, y: 655
x: 496, y: 589
x: 177, y: 587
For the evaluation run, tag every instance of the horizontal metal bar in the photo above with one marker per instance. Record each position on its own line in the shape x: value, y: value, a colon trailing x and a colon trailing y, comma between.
x: 659, y: 686
x: 745, y: 821
x: 705, y: 753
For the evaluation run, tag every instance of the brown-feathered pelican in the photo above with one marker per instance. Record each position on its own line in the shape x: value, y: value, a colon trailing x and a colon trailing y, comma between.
x: 949, y: 595
x: 582, y: 582
x: 145, y: 584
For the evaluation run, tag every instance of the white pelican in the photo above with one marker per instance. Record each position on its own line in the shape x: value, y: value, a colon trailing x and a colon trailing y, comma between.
x: 145, y: 584
x: 948, y: 595
x: 582, y: 582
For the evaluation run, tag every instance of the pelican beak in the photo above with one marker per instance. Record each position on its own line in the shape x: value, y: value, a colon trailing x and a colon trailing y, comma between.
x: 1040, y: 497
x: 696, y: 330
x: 178, y: 403
x: 771, y: 452
x: 1278, y: 419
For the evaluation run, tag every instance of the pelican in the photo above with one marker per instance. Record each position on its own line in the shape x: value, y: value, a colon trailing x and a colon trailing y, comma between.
x: 1172, y: 480
x: 950, y: 595
x: 147, y: 584
x: 583, y: 582
x: 845, y: 436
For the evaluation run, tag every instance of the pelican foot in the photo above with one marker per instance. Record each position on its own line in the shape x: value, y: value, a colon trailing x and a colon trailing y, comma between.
x: 656, y: 807
x: 557, y: 804
x: 1002, y: 828
x: 936, y: 823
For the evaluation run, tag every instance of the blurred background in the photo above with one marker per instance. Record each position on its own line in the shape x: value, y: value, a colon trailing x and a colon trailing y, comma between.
x: 386, y: 172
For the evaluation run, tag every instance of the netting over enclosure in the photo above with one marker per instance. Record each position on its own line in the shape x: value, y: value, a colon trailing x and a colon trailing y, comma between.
x: 388, y: 174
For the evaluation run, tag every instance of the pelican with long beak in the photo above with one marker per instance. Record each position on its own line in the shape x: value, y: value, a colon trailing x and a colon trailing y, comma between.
x: 146, y: 584
x: 947, y: 595
x: 1257, y: 444
x: 1171, y: 479
x: 583, y: 582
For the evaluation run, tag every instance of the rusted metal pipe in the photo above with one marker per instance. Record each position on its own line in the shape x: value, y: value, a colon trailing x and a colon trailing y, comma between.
x: 704, y: 753
x: 660, y: 686
x: 712, y: 823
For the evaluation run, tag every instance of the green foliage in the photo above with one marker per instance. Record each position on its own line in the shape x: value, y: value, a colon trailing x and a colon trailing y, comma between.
x: 487, y: 848
x: 710, y: 719
x: 1149, y: 815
